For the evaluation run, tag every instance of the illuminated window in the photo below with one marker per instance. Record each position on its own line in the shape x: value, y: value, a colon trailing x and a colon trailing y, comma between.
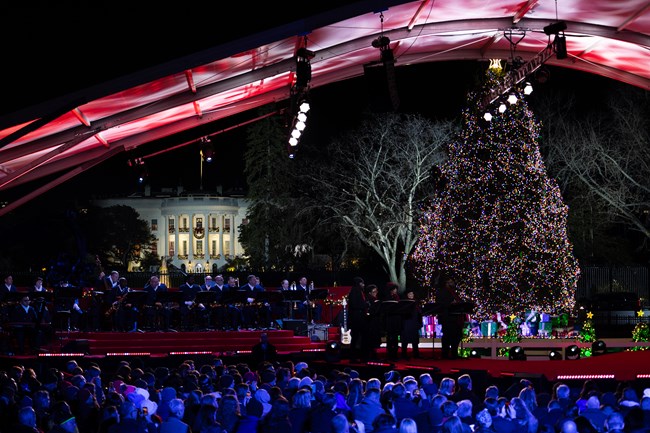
x: 154, y: 224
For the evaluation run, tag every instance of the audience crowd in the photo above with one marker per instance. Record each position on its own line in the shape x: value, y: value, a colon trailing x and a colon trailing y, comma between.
x: 280, y: 397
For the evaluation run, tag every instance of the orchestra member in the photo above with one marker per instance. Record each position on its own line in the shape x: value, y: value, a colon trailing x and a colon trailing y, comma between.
x: 451, y: 323
x: 411, y: 325
x: 188, y: 290
x: 23, y: 319
x: 392, y: 323
x: 157, y: 316
x: 357, y: 311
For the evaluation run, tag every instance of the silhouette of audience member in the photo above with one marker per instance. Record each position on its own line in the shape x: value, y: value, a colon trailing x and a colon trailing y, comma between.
x: 264, y: 350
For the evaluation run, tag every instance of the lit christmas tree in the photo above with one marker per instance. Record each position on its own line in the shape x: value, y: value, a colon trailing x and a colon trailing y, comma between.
x: 587, y: 335
x: 640, y: 333
x: 497, y: 225
x: 511, y: 336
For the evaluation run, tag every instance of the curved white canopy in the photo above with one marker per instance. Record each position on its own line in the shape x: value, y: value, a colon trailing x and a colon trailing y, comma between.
x: 70, y: 134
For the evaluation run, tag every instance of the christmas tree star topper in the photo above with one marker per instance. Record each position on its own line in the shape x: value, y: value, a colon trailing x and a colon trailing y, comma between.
x: 590, y: 315
x: 640, y: 313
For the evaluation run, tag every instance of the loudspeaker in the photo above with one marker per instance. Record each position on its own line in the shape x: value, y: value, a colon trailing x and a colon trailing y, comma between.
x: 76, y: 346
x: 299, y: 327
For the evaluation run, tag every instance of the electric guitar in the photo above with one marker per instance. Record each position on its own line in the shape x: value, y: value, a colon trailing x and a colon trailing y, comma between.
x: 346, y: 336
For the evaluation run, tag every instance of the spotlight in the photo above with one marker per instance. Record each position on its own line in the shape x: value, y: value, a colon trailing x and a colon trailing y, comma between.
x: 304, y: 107
x: 381, y: 42
x: 207, y: 150
x: 555, y: 28
x: 572, y: 352
x: 528, y: 88
x: 560, y: 47
x: 502, y: 107
x: 474, y: 354
x: 333, y: 351
x: 487, y: 117
x: 555, y: 355
x: 512, y: 99
x: 598, y: 347
x: 293, y: 141
x: 517, y: 354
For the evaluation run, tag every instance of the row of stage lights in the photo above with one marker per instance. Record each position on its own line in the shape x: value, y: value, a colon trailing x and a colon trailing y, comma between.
x: 510, y: 100
x: 299, y: 125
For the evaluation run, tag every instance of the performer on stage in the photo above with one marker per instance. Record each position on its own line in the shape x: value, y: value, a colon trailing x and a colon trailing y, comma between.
x: 411, y: 325
x: 452, y: 323
x: 23, y: 319
x: 357, y: 309
x: 371, y: 340
x: 157, y: 316
x: 392, y: 323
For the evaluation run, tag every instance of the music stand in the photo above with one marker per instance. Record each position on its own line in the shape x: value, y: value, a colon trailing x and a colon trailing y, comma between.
x: 47, y: 296
x: 318, y: 294
x: 236, y: 297
x: 292, y: 297
x: 271, y: 297
x: 135, y: 297
x: 15, y: 297
x: 168, y: 297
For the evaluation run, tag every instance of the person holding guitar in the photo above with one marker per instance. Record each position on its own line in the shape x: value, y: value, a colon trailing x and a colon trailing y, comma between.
x: 357, y: 309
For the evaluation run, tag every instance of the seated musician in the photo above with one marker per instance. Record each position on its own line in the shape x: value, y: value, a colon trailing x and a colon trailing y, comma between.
x: 188, y: 290
x: 249, y: 309
x: 218, y: 311
x: 125, y: 315
x: 37, y: 287
x: 157, y: 316
x: 232, y: 311
x: 23, y: 320
x: 307, y: 310
x: 67, y: 300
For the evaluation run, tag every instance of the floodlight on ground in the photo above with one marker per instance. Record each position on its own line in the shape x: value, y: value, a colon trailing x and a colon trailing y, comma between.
x: 502, y: 107
x: 572, y: 352
x: 598, y: 347
x: 512, y: 99
x: 487, y: 116
x: 517, y: 354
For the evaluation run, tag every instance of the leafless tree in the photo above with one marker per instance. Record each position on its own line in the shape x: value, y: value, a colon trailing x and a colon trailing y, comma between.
x: 602, y: 159
x: 376, y: 178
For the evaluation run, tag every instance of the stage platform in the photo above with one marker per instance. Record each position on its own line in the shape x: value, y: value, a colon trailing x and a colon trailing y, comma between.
x: 167, y: 348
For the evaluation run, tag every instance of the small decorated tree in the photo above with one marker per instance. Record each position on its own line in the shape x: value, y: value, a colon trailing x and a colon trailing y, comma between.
x: 511, y: 335
x: 587, y: 335
x: 640, y: 333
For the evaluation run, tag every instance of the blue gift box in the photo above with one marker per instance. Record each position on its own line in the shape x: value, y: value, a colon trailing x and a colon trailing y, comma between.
x: 489, y: 328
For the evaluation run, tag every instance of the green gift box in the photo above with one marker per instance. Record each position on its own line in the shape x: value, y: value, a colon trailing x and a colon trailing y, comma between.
x: 546, y: 326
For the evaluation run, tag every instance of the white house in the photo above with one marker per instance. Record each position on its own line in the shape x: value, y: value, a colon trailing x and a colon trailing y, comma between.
x: 192, y: 229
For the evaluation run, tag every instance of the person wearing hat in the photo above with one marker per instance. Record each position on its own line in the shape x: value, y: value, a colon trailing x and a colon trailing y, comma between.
x: 411, y: 325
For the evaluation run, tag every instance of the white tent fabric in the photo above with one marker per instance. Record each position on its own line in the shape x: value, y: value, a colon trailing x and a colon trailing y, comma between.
x: 70, y: 134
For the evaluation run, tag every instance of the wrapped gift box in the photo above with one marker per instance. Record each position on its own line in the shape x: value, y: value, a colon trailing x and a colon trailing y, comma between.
x: 489, y: 328
x: 545, y: 317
